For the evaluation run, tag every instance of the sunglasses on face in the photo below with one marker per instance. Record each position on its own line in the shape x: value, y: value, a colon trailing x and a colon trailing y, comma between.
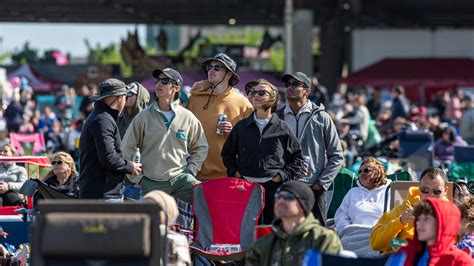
x: 427, y: 191
x: 285, y: 196
x: 164, y: 81
x: 366, y: 171
x: 259, y: 92
x: 216, y: 68
x: 56, y: 162
x: 294, y: 84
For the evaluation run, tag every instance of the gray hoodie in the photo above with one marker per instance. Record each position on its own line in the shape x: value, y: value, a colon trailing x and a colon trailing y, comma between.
x: 320, y: 141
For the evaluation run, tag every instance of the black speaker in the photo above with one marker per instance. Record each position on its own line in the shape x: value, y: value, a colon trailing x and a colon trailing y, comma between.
x: 93, y: 232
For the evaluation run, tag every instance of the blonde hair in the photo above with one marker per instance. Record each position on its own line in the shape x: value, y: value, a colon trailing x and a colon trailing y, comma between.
x: 467, y: 215
x: 67, y: 158
x: 169, y: 208
x: 12, y: 149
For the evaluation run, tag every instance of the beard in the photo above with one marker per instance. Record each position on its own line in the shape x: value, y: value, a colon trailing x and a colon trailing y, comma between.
x: 293, y: 96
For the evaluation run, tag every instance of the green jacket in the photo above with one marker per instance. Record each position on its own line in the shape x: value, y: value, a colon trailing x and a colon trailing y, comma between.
x: 279, y: 248
x: 125, y: 118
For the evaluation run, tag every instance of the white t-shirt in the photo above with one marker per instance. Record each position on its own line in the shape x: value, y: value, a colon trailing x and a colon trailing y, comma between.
x: 261, y: 123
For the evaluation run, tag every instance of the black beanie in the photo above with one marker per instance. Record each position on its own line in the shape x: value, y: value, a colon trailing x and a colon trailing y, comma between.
x: 303, y: 194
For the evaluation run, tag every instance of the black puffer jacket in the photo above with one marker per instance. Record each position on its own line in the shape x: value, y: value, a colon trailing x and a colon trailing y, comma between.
x: 276, y: 151
x: 102, y: 164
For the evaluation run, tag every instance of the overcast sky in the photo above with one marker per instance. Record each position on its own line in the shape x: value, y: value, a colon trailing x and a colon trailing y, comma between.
x: 68, y: 38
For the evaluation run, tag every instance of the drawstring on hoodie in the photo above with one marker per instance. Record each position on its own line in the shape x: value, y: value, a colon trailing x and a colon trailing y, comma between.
x: 212, y: 91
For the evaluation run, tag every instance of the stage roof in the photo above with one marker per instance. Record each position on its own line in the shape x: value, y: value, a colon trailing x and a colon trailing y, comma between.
x: 358, y: 13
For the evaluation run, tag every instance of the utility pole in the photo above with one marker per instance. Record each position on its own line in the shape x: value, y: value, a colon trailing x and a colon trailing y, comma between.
x: 289, y: 14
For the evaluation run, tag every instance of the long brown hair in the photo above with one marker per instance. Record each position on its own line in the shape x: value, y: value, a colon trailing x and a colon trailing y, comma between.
x: 66, y: 157
x: 273, y: 102
x: 377, y: 168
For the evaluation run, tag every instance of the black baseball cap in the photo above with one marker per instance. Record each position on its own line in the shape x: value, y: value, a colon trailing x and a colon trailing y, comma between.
x: 170, y: 73
x: 299, y: 76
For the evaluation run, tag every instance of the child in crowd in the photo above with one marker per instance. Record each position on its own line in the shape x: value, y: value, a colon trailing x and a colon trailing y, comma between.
x: 178, y: 248
x: 437, y: 223
x: 467, y: 229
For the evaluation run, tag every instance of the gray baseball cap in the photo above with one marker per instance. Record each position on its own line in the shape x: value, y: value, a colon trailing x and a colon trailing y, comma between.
x: 110, y: 87
x: 299, y: 76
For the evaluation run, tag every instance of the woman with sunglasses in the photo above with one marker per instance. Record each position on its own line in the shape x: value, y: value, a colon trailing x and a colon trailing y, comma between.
x: 362, y: 207
x: 261, y: 148
x: 12, y: 178
x: 63, y: 175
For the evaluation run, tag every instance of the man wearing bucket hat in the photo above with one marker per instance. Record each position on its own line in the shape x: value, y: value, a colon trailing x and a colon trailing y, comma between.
x: 318, y: 137
x: 170, y: 138
x: 294, y: 231
x: 102, y: 164
x: 211, y: 98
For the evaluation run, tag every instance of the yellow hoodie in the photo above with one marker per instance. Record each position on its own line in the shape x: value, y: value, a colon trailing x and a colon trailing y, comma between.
x: 231, y: 103
x: 389, y: 225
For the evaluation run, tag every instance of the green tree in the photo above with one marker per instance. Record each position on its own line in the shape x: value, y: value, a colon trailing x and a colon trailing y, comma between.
x: 109, y: 54
x: 25, y: 55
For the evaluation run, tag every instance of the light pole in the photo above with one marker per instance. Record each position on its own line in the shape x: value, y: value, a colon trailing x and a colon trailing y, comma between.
x: 289, y: 13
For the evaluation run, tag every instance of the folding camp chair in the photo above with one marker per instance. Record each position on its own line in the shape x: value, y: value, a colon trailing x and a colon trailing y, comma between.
x: 226, y: 212
x: 343, y: 182
x: 30, y: 186
x: 463, y: 165
x: 398, y: 190
x: 28, y: 144
x: 417, y: 148
x: 400, y: 176
x: 464, y: 154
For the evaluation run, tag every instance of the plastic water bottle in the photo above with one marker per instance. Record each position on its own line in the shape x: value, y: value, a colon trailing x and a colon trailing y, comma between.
x: 136, y: 155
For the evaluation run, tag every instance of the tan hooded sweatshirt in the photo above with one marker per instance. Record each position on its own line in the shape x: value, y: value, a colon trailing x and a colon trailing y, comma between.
x: 230, y: 103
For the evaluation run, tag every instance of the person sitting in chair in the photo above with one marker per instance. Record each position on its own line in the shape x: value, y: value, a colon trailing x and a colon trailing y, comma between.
x: 12, y: 178
x: 63, y: 176
x: 399, y: 222
x: 295, y: 230
x: 362, y: 207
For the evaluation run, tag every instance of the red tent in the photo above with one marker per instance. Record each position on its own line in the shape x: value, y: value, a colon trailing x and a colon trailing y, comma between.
x: 421, y: 77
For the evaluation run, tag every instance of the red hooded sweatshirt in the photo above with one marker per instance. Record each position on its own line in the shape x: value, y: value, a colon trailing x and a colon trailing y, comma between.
x: 442, y: 252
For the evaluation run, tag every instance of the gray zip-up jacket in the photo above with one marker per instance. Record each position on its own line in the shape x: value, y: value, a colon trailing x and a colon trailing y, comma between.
x: 320, y: 141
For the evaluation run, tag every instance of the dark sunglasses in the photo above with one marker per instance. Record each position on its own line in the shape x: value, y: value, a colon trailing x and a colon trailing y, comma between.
x: 294, y: 84
x: 366, y: 170
x: 165, y: 81
x: 56, y: 162
x: 427, y: 191
x: 286, y: 196
x: 216, y: 68
x: 259, y: 93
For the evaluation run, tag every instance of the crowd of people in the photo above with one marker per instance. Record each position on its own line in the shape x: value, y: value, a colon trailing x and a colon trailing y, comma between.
x: 292, y: 141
